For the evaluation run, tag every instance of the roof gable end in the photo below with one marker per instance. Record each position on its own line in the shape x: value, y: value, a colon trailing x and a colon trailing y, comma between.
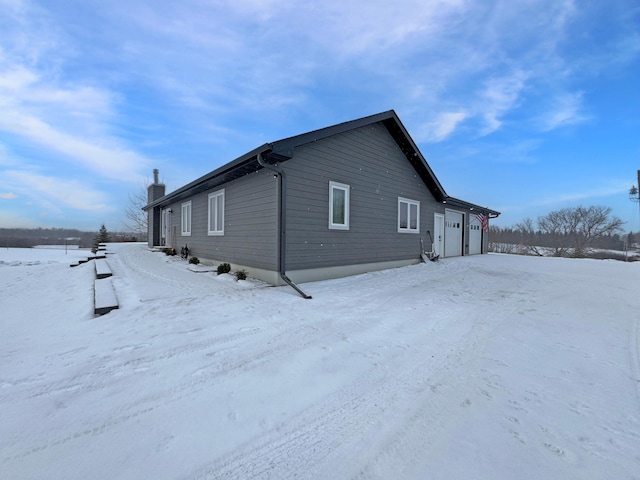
x: 284, y: 148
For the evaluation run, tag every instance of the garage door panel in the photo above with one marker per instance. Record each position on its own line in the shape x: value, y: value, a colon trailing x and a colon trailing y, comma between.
x: 453, y: 234
x: 475, y: 236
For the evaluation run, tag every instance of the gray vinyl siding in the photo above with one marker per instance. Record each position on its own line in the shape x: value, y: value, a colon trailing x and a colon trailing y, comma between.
x: 250, y: 219
x: 371, y: 163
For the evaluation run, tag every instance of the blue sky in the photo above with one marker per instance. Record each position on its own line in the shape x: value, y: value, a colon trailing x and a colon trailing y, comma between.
x: 525, y: 107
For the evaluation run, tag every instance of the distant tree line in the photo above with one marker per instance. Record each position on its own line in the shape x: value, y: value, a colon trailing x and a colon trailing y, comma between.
x: 569, y: 232
x: 30, y: 237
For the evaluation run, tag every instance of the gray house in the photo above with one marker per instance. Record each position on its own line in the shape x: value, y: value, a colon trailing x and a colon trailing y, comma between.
x: 346, y: 199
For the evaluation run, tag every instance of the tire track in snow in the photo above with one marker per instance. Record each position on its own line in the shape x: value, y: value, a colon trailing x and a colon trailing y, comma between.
x: 85, y: 382
x: 158, y: 399
x: 269, y: 348
x: 314, y: 442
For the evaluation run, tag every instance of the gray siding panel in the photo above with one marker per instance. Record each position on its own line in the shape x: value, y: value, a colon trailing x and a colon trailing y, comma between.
x: 369, y: 160
x: 249, y: 224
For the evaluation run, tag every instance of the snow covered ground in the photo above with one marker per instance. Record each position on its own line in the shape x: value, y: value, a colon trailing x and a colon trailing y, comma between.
x: 483, y: 367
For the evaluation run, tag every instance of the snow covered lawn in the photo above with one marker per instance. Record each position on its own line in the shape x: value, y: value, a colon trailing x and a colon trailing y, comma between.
x: 483, y: 367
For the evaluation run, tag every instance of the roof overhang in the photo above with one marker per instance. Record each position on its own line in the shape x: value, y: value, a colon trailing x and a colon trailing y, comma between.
x: 457, y: 203
x: 239, y: 167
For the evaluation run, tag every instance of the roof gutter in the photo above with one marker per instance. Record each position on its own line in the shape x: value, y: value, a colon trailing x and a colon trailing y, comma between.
x: 282, y: 222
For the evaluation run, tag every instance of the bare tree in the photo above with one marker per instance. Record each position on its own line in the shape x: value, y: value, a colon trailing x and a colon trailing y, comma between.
x: 528, y: 243
x: 595, y: 222
x: 572, y: 230
x: 559, y: 226
x: 137, y: 219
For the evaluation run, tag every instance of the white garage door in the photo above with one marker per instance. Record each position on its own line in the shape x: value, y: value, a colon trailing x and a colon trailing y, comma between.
x: 475, y: 236
x: 452, y: 234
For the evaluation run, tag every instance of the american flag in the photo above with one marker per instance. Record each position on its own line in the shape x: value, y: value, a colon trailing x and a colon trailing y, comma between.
x: 483, y: 221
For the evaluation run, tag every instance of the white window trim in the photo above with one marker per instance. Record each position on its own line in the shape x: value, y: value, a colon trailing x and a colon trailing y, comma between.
x: 220, y: 198
x: 346, y: 189
x: 408, y: 228
x: 185, y: 220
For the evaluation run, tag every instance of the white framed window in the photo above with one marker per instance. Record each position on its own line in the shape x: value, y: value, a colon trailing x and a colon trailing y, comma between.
x: 216, y: 213
x: 408, y: 215
x: 185, y: 229
x: 338, y: 206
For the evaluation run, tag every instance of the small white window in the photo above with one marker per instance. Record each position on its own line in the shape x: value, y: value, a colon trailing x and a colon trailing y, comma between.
x: 408, y: 215
x: 338, y: 206
x: 186, y: 219
x: 216, y: 213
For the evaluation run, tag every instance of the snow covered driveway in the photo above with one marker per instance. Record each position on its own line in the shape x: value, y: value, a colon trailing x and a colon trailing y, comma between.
x: 484, y: 367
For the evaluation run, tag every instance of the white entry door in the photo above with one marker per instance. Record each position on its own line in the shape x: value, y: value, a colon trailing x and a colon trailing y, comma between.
x: 438, y: 234
x: 453, y: 233
x: 165, y: 226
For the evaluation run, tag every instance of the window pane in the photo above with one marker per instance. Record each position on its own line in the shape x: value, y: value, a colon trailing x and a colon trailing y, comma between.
x: 186, y: 218
x: 212, y: 213
x: 414, y: 217
x: 404, y: 214
x: 339, y: 206
x: 219, y: 213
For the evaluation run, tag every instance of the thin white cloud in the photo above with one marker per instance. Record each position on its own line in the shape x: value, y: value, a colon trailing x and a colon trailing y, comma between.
x: 30, y: 110
x: 15, y: 79
x: 359, y: 28
x: 612, y: 187
x: 58, y: 193
x: 108, y: 162
x: 566, y: 110
x: 499, y: 96
x: 441, y: 127
x: 8, y: 196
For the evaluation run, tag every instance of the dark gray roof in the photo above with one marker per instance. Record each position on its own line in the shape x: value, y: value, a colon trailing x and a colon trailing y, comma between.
x: 282, y: 150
